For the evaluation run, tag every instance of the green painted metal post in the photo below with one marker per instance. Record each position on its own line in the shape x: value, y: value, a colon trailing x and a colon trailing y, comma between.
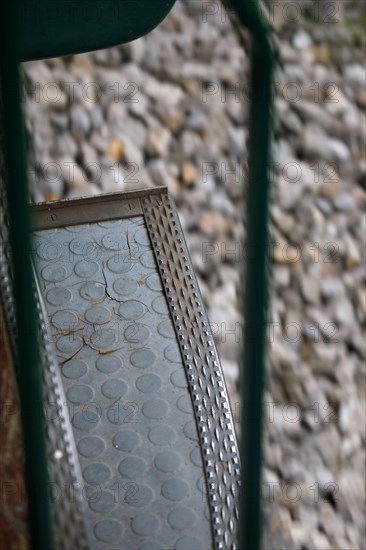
x: 28, y: 369
x: 255, y: 298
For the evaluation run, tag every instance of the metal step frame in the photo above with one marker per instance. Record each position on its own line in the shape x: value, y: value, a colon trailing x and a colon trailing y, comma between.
x: 144, y: 390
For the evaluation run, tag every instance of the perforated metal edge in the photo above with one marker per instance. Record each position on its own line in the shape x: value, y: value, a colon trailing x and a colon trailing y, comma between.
x: 68, y: 525
x: 204, y: 373
x: 63, y: 456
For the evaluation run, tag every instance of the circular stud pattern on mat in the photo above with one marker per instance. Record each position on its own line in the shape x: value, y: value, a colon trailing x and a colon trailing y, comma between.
x: 188, y: 543
x: 143, y: 358
x: 184, y: 404
x: 167, y: 461
x: 96, y: 473
x: 108, y: 364
x: 161, y: 435
x: 147, y: 259
x: 165, y: 329
x: 86, y: 419
x: 119, y: 264
x: 114, y: 388
x: 102, y: 502
x: 98, y: 315
x: 54, y: 273
x: 141, y: 237
x: 103, y: 338
x: 155, y: 408
x: 86, y: 269
x: 133, y: 381
x: 49, y: 251
x: 92, y: 291
x: 196, y: 457
x: 91, y: 447
x: 132, y: 309
x: 182, y: 518
x: 80, y: 394
x: 125, y: 286
x: 65, y: 320
x: 146, y: 524
x: 153, y: 282
x: 139, y: 496
x: 111, y: 242
x: 108, y: 530
x: 179, y: 379
x: 59, y: 296
x: 175, y: 489
x: 172, y: 353
x: 132, y: 467
x: 69, y: 344
x: 190, y: 430
x: 126, y: 441
x: 136, y: 334
x: 148, y: 383
x: 75, y: 368
x: 159, y: 305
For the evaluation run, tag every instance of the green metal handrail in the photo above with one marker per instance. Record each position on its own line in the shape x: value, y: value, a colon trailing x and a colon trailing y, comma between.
x: 28, y: 369
x: 255, y: 296
x: 13, y: 50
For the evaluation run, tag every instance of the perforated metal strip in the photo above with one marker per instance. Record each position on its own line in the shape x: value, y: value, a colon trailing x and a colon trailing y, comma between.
x: 66, y: 509
x: 65, y: 475
x: 203, y: 369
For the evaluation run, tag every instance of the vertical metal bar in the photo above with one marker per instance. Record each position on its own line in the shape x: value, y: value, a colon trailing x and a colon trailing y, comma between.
x: 255, y: 298
x: 28, y: 369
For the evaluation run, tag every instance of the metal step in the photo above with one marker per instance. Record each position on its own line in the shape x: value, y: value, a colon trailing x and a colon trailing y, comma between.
x: 144, y: 391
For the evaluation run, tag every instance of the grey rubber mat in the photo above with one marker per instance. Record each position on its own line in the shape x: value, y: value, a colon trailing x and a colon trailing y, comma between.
x: 145, y: 481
